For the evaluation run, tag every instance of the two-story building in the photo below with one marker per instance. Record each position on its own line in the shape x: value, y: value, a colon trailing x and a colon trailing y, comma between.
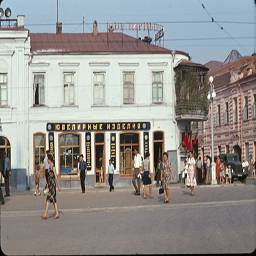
x: 100, y: 94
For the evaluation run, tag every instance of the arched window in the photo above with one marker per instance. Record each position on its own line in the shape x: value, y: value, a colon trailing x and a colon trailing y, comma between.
x: 69, y: 151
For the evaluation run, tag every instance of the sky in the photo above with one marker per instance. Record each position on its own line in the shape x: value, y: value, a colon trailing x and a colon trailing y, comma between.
x: 40, y: 16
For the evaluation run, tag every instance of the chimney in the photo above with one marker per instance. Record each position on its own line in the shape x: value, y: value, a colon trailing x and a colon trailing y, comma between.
x: 95, y: 28
x: 20, y: 21
x: 58, y: 27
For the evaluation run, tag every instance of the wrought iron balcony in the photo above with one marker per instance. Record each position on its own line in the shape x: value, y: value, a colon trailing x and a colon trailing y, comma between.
x: 193, y: 111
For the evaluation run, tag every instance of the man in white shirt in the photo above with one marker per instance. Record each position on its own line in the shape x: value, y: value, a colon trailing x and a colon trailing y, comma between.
x: 137, y: 167
x: 111, y: 169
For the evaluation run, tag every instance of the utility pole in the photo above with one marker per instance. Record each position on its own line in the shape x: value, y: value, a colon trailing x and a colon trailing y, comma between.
x: 83, y: 23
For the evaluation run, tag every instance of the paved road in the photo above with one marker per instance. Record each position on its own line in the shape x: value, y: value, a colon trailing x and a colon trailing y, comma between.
x: 216, y: 220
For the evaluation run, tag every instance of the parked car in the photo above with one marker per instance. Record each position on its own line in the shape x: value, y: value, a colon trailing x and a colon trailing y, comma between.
x: 236, y: 165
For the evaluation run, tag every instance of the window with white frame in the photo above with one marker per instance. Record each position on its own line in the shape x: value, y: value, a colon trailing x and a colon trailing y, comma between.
x: 157, y: 87
x: 246, y: 108
x: 3, y: 90
x: 128, y: 87
x: 69, y: 89
x: 99, y: 88
x: 39, y: 89
x: 254, y: 106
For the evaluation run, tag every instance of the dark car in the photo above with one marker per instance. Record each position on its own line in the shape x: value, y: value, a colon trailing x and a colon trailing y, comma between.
x: 236, y: 165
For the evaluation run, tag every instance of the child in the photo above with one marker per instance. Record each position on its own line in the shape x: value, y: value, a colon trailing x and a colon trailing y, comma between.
x: 37, y: 180
x: 228, y: 174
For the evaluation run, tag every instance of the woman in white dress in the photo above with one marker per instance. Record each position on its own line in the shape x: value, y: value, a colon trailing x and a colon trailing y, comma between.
x: 191, y: 179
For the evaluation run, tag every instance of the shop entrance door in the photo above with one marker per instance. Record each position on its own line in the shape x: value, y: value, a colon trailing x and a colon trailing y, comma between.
x: 128, y: 142
x: 100, y: 169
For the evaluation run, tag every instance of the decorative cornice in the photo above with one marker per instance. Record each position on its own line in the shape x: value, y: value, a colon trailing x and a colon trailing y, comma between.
x: 69, y: 64
x: 99, y: 64
x: 128, y: 64
x: 40, y: 64
x: 157, y: 64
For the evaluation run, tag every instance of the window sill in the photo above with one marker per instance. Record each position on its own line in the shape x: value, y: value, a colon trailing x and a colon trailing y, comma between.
x: 5, y: 106
x: 39, y: 106
x: 69, y: 106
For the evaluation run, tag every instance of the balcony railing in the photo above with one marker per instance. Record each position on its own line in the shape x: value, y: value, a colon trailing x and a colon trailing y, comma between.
x: 191, y: 111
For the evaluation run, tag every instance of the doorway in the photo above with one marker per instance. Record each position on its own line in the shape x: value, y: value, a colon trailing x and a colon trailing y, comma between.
x: 128, y: 142
x: 5, y: 147
x: 99, y: 149
x: 237, y: 150
x: 158, y: 140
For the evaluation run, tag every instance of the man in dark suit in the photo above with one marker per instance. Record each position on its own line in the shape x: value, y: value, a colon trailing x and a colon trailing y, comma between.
x: 6, y: 173
x: 82, y: 169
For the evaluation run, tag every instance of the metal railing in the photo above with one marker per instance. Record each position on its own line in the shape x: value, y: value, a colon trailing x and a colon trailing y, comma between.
x: 191, y: 108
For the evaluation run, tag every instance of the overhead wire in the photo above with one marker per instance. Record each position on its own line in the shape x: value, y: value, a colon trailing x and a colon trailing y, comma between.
x: 213, y: 20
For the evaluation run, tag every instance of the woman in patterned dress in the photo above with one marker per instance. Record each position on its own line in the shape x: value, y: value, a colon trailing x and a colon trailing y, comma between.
x: 191, y: 179
x: 165, y: 176
x: 51, y: 196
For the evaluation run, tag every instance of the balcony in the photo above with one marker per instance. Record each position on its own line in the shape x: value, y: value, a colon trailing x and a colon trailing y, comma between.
x: 192, y: 111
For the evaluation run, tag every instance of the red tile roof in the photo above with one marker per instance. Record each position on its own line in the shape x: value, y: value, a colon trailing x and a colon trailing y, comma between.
x: 192, y: 64
x: 112, y: 42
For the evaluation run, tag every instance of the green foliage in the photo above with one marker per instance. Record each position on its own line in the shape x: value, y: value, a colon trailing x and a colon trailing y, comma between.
x: 191, y: 89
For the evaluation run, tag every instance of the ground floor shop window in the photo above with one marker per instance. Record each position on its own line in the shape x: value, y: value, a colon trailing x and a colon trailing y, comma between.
x: 128, y: 142
x: 39, y: 151
x: 69, y: 151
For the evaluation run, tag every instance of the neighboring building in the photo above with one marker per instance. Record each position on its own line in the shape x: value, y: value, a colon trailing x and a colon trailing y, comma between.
x: 14, y: 59
x: 100, y: 94
x: 234, y: 110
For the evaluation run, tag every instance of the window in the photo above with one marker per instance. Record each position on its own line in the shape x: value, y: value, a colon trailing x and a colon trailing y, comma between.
x: 246, y: 108
x: 39, y: 149
x: 98, y: 88
x: 247, y: 151
x: 69, y: 153
x: 235, y: 111
x: 39, y: 89
x: 218, y: 117
x: 69, y: 89
x: 254, y: 106
x: 3, y: 90
x: 226, y: 114
x: 157, y: 87
x: 128, y: 89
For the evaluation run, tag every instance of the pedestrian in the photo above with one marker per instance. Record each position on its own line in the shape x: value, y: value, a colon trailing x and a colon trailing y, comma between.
x: 158, y: 172
x: 146, y: 177
x: 6, y: 174
x: 222, y: 171
x: 51, y: 195
x: 218, y: 169
x: 82, y: 170
x: 199, y: 170
x: 1, y: 195
x: 37, y: 179
x: 245, y: 166
x: 191, y: 179
x: 228, y: 174
x: 204, y: 171
x: 166, y: 173
x: 185, y: 172
x: 46, y: 166
x: 137, y: 168
x: 111, y: 169
x: 208, y: 170
x: 254, y: 169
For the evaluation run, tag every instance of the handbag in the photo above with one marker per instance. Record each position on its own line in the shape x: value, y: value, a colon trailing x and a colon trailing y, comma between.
x: 161, y: 190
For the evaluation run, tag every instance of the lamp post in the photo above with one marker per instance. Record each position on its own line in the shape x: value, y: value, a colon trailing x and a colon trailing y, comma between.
x: 211, y: 95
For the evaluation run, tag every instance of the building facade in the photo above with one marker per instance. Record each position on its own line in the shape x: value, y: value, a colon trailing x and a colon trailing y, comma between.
x: 234, y: 110
x: 97, y: 94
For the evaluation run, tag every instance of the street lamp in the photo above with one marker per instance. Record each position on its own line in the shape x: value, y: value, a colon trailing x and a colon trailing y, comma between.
x: 211, y: 95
